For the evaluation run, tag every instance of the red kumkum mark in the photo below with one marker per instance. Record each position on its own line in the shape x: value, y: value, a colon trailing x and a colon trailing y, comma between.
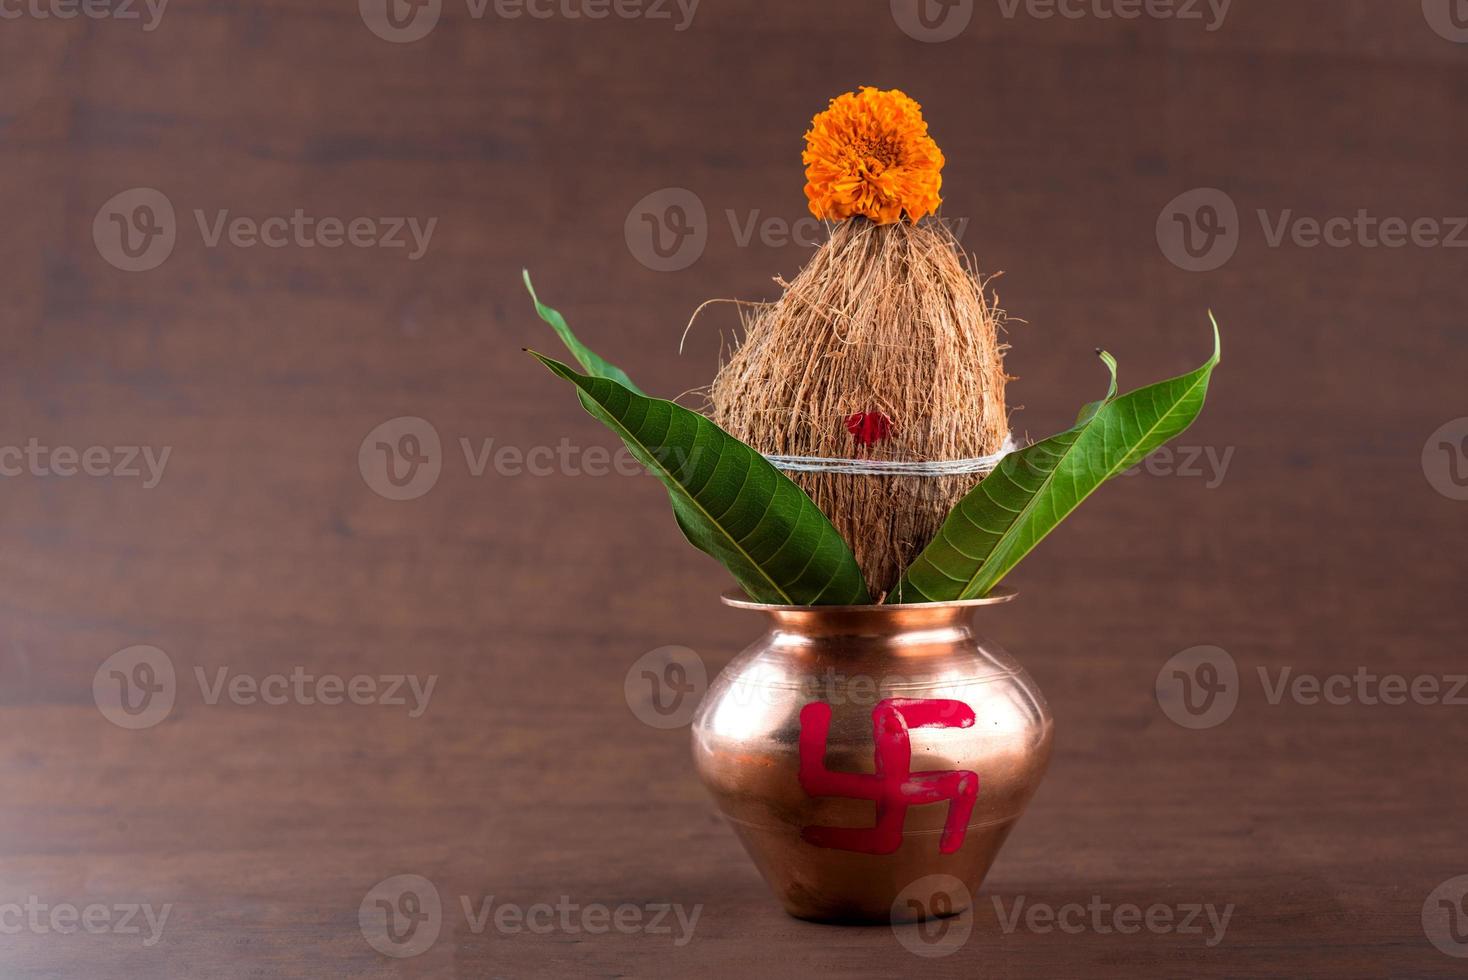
x: 894, y: 787
x: 868, y: 428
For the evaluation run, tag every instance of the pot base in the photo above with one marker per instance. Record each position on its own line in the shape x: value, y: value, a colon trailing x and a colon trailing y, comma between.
x: 842, y: 888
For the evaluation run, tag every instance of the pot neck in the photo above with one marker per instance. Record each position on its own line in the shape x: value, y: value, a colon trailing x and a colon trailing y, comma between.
x: 890, y: 621
x: 870, y: 622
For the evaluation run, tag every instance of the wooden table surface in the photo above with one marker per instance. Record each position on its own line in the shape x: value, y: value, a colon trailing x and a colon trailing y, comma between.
x: 1322, y: 536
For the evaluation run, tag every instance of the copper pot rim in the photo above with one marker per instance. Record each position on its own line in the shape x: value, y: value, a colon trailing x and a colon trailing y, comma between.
x: 738, y: 599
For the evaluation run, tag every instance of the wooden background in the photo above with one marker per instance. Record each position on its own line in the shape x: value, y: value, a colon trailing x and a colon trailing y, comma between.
x: 1324, y: 548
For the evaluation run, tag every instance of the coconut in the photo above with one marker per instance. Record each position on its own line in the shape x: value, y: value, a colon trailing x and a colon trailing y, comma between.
x: 886, y: 346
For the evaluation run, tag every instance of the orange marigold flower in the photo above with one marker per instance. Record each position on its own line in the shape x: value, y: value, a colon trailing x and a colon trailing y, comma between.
x: 870, y: 154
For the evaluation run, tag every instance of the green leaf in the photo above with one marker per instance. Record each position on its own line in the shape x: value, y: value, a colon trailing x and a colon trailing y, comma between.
x: 1033, y: 490
x: 591, y: 362
x: 728, y: 499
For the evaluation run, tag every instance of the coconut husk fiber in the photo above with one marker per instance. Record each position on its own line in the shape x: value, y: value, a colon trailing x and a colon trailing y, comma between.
x: 888, y: 319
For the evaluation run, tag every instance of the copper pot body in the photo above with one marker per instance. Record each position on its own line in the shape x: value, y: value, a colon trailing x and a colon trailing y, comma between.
x: 873, y: 759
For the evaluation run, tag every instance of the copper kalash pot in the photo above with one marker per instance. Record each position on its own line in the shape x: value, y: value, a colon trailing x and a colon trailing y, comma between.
x: 859, y: 751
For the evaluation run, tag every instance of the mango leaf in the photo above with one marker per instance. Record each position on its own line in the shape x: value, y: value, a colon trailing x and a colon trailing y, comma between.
x: 591, y: 362
x: 728, y: 499
x: 1033, y: 490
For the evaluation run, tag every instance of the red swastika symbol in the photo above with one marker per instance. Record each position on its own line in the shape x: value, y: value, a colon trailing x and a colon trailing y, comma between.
x: 894, y: 787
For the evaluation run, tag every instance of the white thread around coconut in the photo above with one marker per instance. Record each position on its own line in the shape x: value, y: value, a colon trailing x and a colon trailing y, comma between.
x: 893, y: 467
